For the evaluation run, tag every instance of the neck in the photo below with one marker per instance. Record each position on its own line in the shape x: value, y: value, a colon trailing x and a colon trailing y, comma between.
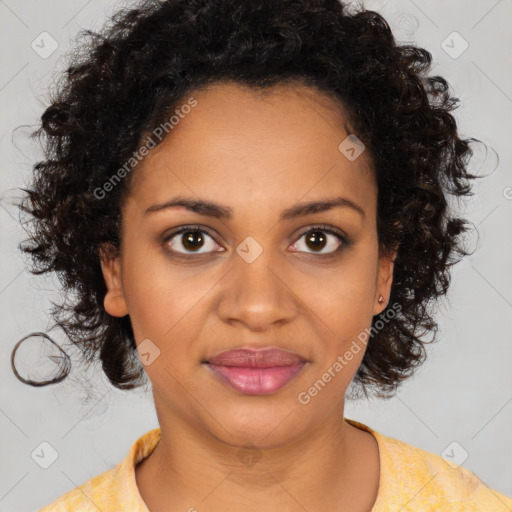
x: 335, y: 466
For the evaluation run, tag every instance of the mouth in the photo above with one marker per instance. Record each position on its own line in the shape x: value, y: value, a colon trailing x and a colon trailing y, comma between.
x: 256, y: 372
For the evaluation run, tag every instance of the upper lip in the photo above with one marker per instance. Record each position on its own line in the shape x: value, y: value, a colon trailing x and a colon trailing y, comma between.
x: 262, y: 358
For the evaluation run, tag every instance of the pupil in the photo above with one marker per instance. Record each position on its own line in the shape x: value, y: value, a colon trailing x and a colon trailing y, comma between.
x: 192, y: 238
x: 316, y: 240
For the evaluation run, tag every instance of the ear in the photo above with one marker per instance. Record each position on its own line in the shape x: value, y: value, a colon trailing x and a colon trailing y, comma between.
x: 114, y: 301
x: 384, y: 279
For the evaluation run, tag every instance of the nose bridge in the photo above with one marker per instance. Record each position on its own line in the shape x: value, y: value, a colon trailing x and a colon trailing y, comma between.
x: 254, y: 292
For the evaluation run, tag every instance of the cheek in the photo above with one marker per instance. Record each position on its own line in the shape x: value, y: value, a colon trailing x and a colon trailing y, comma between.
x: 344, y: 305
x: 154, y: 294
x: 165, y: 299
x: 344, y: 298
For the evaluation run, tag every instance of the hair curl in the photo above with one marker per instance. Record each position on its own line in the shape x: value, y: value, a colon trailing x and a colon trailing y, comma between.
x: 125, y: 80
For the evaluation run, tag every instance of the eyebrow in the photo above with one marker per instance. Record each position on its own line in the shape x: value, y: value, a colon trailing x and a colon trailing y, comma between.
x: 210, y: 209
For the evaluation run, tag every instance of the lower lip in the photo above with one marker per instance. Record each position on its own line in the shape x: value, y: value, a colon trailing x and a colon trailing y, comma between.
x: 257, y: 381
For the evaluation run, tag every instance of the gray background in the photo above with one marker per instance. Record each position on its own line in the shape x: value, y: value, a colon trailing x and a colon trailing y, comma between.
x: 464, y: 391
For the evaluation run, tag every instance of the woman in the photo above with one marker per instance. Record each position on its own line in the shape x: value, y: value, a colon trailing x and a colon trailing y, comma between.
x: 254, y: 196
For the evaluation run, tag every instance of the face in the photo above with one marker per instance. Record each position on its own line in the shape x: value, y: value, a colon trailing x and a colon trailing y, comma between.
x: 257, y: 270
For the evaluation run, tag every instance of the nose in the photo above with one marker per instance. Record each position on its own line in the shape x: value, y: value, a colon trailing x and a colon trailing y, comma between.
x: 257, y: 295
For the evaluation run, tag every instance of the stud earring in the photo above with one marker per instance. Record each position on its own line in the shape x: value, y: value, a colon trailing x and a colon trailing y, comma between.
x: 381, y: 299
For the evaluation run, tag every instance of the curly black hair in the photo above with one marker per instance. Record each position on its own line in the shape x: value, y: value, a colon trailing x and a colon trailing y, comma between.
x: 126, y: 79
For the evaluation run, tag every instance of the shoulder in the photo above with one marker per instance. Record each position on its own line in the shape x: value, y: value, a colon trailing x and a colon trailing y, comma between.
x: 438, y: 482
x: 413, y: 479
x: 113, y: 490
x: 85, y: 496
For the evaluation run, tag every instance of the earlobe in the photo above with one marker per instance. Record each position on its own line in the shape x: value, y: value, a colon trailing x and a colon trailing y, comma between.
x: 114, y: 301
x: 384, y: 281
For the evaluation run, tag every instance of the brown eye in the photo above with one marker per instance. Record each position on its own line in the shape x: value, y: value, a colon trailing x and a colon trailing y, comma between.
x: 319, y: 238
x: 316, y: 240
x: 191, y: 240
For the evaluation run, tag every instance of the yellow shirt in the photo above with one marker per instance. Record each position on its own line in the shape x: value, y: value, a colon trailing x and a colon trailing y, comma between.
x: 411, y: 479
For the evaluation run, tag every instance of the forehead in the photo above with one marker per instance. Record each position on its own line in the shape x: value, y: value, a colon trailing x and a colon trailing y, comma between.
x: 239, y: 144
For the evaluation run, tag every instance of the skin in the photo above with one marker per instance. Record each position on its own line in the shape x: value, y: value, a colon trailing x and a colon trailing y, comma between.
x: 258, y: 155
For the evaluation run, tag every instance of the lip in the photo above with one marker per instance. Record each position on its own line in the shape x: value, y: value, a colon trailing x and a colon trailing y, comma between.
x: 256, y: 372
x: 263, y: 358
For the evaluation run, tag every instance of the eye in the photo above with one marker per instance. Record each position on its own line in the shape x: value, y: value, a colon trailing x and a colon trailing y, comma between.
x: 320, y: 237
x: 188, y: 240
x: 192, y: 239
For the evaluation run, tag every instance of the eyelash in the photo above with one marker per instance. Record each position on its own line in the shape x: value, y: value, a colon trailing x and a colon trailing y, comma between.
x: 345, y: 241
